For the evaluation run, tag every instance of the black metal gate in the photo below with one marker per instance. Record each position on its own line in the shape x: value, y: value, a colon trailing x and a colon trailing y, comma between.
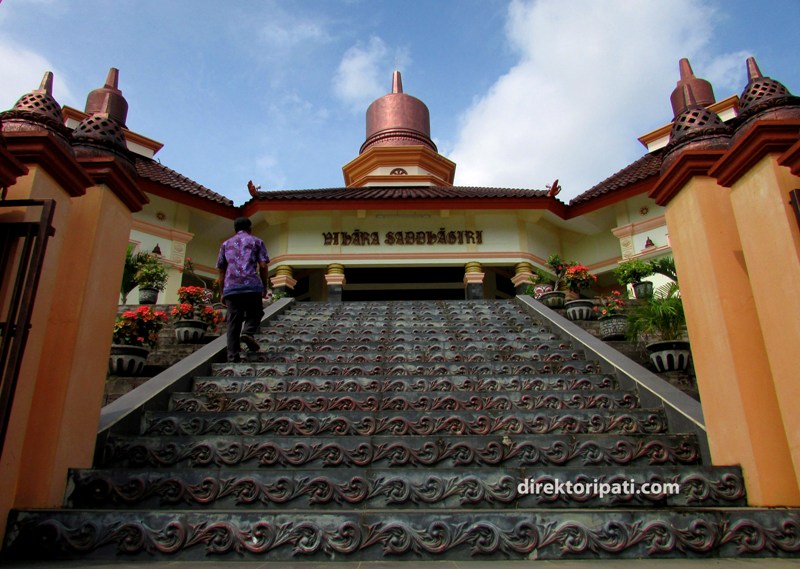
x: 22, y: 249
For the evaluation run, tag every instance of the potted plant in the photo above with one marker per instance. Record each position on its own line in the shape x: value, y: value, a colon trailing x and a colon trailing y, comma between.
x: 632, y: 272
x: 151, y: 276
x: 539, y: 284
x: 662, y: 319
x: 555, y: 298
x: 610, y: 312
x: 135, y: 333
x: 192, y: 321
x: 132, y: 263
x: 190, y: 276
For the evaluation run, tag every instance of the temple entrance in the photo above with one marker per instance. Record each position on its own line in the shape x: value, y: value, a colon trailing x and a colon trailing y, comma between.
x: 404, y: 283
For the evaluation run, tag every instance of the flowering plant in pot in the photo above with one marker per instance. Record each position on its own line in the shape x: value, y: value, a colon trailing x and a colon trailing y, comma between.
x: 135, y: 332
x: 194, y: 295
x: 577, y: 277
x: 203, y: 313
x: 139, y: 327
x: 609, y: 311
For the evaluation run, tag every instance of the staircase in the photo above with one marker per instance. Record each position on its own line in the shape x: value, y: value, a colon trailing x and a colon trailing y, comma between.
x: 404, y: 430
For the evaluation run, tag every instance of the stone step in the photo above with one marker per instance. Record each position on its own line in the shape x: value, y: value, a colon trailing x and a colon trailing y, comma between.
x: 270, y: 336
x: 485, y: 488
x: 484, y: 383
x: 359, y: 423
x: 310, y: 535
x: 444, y: 452
x: 413, y: 356
x: 421, y: 346
x: 405, y: 401
x: 257, y: 368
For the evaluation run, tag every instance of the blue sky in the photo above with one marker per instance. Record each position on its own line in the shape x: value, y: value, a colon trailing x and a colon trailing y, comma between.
x: 520, y: 92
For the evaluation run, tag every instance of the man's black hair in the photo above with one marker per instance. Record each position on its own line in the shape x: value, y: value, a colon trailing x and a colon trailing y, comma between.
x: 242, y: 224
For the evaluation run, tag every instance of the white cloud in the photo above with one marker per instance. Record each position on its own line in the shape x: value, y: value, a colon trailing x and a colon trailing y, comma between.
x: 22, y: 71
x: 364, y: 73
x: 591, y: 77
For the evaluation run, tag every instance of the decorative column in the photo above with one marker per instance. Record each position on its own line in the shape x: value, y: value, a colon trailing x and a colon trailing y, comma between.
x: 335, y: 281
x: 473, y: 281
x: 523, y: 273
x: 35, y: 137
x: 72, y: 370
x: 740, y: 404
x: 762, y: 168
x: 283, y: 281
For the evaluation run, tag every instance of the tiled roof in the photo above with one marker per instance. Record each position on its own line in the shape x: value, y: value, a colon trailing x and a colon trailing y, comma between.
x: 645, y: 167
x: 398, y: 192
x: 156, y: 172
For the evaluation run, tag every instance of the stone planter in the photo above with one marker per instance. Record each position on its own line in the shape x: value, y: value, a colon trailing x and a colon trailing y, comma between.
x: 553, y: 299
x: 190, y: 331
x: 670, y: 355
x: 580, y: 309
x: 643, y: 290
x: 614, y: 327
x: 127, y: 360
x: 148, y: 295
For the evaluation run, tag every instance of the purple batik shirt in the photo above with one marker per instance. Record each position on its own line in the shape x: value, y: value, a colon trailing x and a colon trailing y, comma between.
x: 239, y: 256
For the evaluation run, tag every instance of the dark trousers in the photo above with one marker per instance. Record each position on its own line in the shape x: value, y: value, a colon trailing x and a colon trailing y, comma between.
x: 244, y: 316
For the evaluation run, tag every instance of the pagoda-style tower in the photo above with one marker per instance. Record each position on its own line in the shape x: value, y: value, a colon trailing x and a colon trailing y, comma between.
x: 398, y: 149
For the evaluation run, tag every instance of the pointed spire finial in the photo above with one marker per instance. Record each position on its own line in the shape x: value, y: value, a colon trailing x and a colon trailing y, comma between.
x: 753, y: 72
x: 397, y: 82
x: 47, y: 83
x: 112, y: 80
x: 688, y: 96
x: 685, y: 69
x: 702, y: 91
x: 108, y: 99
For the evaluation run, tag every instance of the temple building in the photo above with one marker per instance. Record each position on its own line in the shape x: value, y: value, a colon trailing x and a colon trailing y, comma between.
x: 718, y: 187
x: 398, y: 227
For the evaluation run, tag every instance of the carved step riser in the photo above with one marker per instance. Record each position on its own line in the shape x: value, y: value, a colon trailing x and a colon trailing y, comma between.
x: 410, y: 355
x: 402, y: 424
x: 367, y: 536
x: 419, y: 489
x: 414, y: 401
x: 208, y: 385
x: 362, y: 452
x: 427, y: 369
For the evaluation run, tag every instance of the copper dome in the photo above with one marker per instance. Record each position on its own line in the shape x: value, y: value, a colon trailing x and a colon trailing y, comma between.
x: 398, y: 119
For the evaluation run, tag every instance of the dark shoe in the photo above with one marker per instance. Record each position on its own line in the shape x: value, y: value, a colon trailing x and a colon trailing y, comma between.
x: 236, y: 360
x: 250, y: 342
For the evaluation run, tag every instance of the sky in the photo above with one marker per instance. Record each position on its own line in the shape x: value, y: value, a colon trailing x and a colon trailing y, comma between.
x: 520, y: 92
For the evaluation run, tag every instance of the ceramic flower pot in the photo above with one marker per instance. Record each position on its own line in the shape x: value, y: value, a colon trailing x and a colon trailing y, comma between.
x: 540, y: 289
x: 614, y: 327
x: 190, y: 331
x: 554, y: 299
x: 643, y: 290
x: 148, y: 295
x: 669, y: 355
x: 582, y: 309
x: 127, y: 360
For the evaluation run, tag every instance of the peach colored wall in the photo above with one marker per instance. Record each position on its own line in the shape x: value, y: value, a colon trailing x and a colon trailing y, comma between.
x: 73, y: 366
x: 771, y: 247
x: 37, y: 184
x: 740, y: 405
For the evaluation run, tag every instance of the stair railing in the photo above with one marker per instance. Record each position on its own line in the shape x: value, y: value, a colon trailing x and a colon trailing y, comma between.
x: 23, y: 244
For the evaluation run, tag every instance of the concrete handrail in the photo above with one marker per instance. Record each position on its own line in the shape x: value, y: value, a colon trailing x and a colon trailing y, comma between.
x: 684, y: 413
